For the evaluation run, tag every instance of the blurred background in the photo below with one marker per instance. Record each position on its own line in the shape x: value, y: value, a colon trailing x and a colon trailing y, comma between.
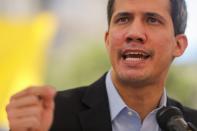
x: 61, y: 43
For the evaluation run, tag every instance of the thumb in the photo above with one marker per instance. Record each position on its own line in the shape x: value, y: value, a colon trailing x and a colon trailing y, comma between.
x: 48, y: 96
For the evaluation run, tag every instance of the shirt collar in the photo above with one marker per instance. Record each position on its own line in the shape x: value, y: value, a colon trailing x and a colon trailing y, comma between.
x: 163, y: 100
x: 116, y: 103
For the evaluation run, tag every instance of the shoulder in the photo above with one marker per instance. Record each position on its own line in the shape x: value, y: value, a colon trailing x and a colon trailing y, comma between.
x: 70, y: 98
x: 68, y: 104
x: 71, y: 93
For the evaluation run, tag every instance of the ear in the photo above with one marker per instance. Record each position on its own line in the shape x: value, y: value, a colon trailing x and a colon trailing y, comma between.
x: 106, y: 39
x: 181, y: 45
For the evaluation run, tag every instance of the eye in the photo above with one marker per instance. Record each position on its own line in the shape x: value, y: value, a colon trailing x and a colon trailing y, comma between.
x: 122, y: 20
x: 152, y: 20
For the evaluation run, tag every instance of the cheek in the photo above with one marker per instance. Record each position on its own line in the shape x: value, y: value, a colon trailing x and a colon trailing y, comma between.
x: 164, y: 49
x: 164, y: 42
x: 116, y: 42
x: 117, y: 37
x: 168, y: 46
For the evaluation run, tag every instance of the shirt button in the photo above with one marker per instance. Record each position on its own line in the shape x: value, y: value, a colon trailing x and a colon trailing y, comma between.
x: 130, y: 113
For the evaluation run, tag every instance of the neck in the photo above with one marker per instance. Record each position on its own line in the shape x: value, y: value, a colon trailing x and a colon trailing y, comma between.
x: 141, y: 99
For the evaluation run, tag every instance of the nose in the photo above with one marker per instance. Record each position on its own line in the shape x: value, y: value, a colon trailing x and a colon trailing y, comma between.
x: 136, y: 32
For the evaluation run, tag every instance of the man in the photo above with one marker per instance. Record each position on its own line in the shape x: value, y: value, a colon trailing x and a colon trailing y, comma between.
x: 143, y: 38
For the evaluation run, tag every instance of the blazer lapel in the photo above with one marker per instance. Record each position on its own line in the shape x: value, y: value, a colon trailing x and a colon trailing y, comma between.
x: 97, y: 115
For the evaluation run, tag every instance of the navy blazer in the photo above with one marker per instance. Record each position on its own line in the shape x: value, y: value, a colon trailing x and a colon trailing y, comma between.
x: 87, y: 109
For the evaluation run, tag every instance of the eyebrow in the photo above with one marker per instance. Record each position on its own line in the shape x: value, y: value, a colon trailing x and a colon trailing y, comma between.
x: 147, y: 14
x: 122, y: 14
x: 156, y: 15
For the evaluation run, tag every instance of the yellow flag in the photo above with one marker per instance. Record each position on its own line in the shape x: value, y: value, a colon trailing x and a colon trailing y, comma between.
x: 23, y: 47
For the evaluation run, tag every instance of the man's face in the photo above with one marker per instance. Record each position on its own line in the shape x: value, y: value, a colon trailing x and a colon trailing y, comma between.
x: 141, y: 41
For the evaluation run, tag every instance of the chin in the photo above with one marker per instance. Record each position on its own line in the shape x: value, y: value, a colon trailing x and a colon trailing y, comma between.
x: 131, y: 77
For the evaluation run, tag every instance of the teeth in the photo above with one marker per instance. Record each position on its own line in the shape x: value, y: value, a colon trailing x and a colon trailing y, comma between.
x: 133, y: 59
x: 135, y: 55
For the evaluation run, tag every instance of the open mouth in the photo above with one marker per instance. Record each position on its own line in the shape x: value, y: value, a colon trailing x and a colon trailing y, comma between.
x: 135, y: 55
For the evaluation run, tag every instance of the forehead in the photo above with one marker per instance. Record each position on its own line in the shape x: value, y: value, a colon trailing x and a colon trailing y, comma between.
x: 161, y: 7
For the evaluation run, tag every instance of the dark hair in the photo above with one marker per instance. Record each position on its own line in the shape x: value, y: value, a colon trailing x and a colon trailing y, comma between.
x: 178, y: 14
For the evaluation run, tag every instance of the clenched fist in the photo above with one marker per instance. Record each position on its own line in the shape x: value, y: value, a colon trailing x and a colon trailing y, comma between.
x: 31, y: 109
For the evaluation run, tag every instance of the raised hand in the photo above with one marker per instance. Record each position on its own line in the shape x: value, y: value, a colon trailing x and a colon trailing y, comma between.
x: 31, y: 109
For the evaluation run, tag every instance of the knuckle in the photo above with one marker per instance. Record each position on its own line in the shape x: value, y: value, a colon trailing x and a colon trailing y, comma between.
x: 10, y: 116
x: 7, y: 108
x: 29, y: 90
x: 12, y: 97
